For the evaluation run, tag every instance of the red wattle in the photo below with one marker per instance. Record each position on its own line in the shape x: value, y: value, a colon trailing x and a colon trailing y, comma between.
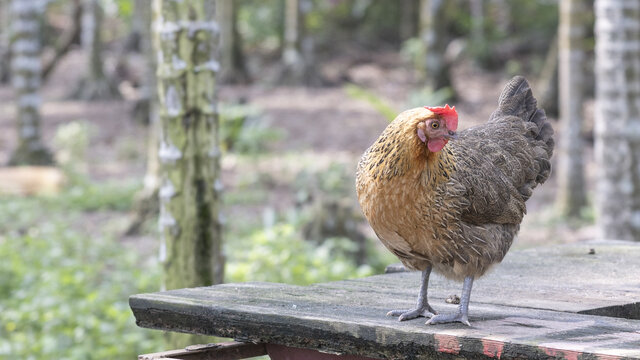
x: 437, y: 144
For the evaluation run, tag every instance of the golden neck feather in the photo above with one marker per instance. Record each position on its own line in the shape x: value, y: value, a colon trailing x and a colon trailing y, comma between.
x: 399, y: 152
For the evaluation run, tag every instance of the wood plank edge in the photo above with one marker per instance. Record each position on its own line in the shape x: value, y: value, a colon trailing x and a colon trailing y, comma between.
x: 275, y: 329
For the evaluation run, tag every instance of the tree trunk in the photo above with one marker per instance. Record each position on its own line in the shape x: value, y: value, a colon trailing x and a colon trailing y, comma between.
x: 571, y: 36
x: 139, y: 26
x: 67, y: 40
x: 292, y: 53
x: 143, y: 108
x: 5, y: 43
x: 233, y: 69
x: 617, y: 118
x: 408, y: 19
x: 434, y: 70
x: 499, y: 12
x: 150, y: 40
x: 547, y: 83
x: 298, y: 58
x: 146, y: 204
x: 95, y: 85
x: 477, y: 21
x: 26, y: 69
x: 189, y: 149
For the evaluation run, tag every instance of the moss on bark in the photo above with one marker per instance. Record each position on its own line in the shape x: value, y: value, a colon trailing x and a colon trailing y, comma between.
x: 189, y: 149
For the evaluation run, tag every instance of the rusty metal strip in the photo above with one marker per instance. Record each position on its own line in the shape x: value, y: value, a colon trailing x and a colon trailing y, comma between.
x: 232, y: 350
x: 281, y: 352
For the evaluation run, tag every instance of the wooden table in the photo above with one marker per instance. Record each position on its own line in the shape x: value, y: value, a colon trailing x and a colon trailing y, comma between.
x: 552, y: 302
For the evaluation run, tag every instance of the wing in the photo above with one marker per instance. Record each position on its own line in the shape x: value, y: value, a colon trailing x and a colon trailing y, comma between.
x: 497, y: 165
x: 500, y: 163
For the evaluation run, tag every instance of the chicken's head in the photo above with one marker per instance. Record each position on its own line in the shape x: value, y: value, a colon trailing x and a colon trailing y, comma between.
x: 438, y: 129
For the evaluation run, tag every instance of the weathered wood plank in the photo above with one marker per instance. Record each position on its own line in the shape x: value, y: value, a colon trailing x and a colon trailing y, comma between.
x: 563, y: 278
x: 348, y: 316
x: 338, y: 320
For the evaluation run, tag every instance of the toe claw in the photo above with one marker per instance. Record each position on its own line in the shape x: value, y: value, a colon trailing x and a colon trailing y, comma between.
x: 411, y: 314
x: 407, y: 316
x: 448, y: 318
x: 397, y: 312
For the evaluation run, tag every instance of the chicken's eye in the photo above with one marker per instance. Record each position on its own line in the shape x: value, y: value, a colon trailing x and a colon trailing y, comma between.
x: 435, y: 125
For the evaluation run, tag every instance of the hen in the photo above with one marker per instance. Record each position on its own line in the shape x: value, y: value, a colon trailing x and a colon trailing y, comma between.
x: 453, y: 202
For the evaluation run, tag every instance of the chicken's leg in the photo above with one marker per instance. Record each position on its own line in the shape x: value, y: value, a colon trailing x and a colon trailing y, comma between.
x: 463, y: 309
x: 423, y: 308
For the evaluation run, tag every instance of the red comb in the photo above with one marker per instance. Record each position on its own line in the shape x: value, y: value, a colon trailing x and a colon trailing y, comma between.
x: 449, y: 114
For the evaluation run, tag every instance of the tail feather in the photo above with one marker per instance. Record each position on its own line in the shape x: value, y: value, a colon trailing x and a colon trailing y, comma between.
x: 517, y: 100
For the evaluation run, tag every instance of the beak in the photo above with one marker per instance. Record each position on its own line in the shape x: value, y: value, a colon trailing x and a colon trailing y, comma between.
x: 451, y: 135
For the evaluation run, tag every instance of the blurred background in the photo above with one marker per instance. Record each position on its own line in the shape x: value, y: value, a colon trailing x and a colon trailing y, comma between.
x: 304, y: 87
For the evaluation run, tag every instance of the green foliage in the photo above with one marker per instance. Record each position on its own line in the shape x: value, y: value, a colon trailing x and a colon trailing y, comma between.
x: 125, y: 7
x: 244, y: 196
x: 376, y: 101
x: 382, y: 20
x: 71, y: 140
x: 421, y: 97
x: 277, y: 250
x: 369, y: 23
x: 531, y: 22
x: 428, y: 97
x: 413, y: 51
x: 513, y: 67
x: 537, y: 18
x: 116, y: 196
x: 260, y: 23
x: 335, y: 181
x: 64, y: 296
x: 19, y: 213
x: 63, y: 292
x: 88, y: 196
x: 256, y: 136
x: 244, y: 131
x: 279, y: 254
x: 232, y: 119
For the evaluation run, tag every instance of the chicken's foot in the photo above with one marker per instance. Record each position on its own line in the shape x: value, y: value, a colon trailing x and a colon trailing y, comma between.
x: 422, y: 308
x: 463, y: 309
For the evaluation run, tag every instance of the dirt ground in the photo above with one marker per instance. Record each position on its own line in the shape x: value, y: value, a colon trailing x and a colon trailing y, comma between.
x: 319, y: 122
